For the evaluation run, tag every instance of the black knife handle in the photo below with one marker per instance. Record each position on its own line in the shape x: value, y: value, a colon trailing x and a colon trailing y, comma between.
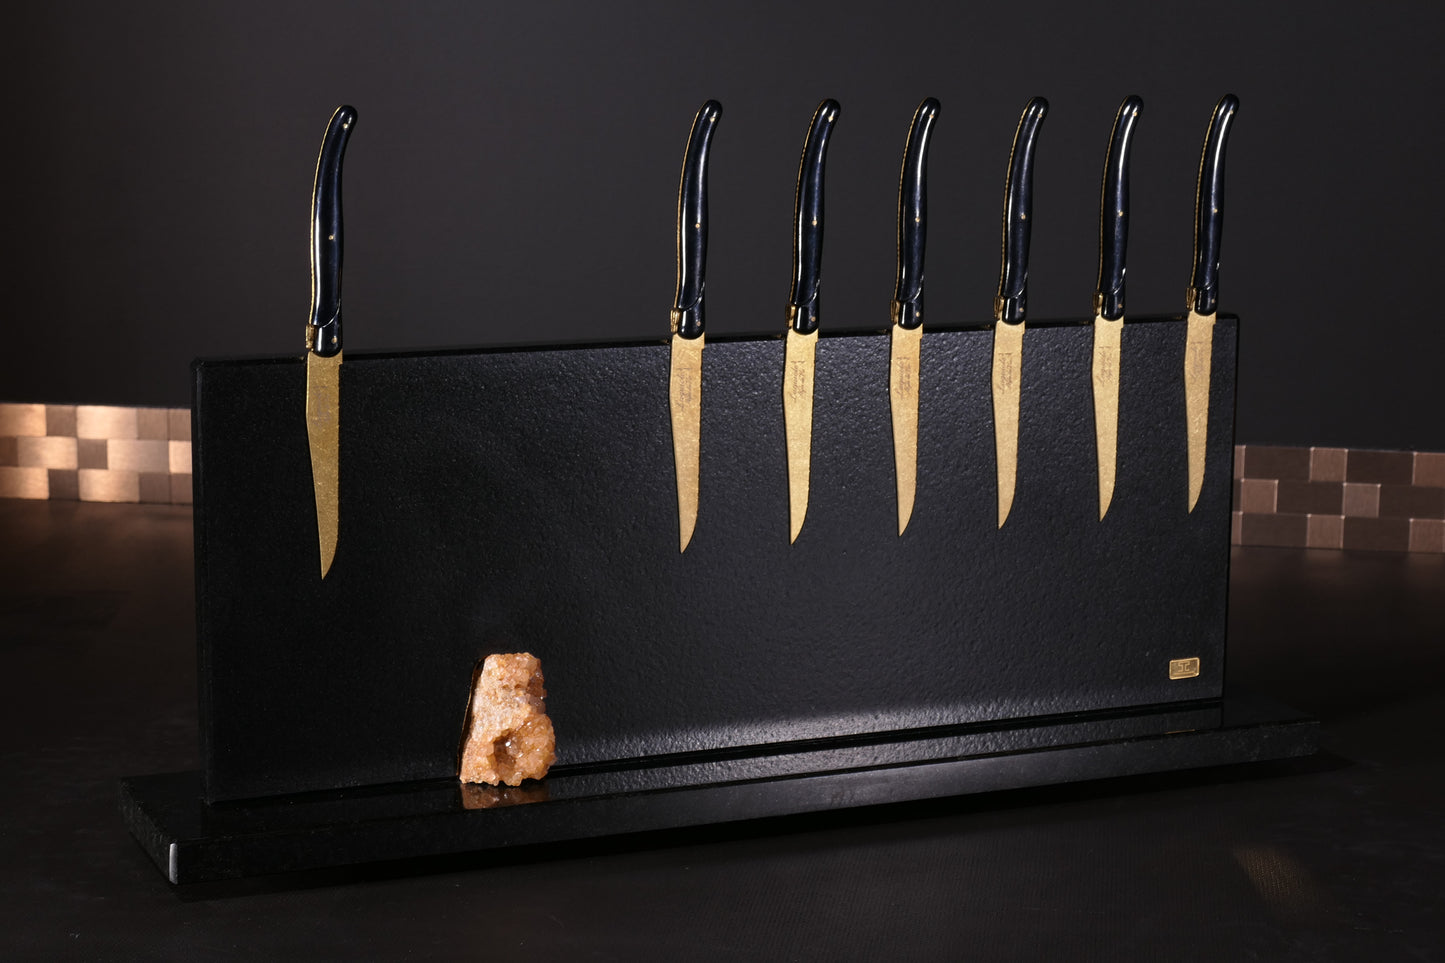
x: 913, y: 217
x: 808, y: 221
x: 1018, y: 201
x: 323, y: 332
x: 1209, y: 209
x: 687, y: 316
x: 1114, y: 213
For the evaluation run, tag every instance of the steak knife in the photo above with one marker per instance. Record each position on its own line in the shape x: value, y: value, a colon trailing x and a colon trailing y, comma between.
x: 1010, y: 306
x: 1109, y: 295
x: 907, y: 307
x: 685, y: 378
x: 323, y: 332
x: 1203, y: 293
x: 803, y: 313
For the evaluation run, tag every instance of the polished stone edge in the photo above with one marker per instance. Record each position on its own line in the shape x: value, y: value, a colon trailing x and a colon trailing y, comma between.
x: 191, y: 842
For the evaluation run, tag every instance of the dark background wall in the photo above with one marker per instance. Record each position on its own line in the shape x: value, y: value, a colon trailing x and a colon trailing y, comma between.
x: 513, y: 178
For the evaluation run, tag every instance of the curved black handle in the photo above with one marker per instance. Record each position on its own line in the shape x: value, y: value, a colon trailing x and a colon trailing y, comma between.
x: 1114, y: 213
x: 687, y: 316
x: 1209, y: 209
x: 324, y: 328
x: 1018, y: 202
x: 913, y: 217
x: 808, y: 221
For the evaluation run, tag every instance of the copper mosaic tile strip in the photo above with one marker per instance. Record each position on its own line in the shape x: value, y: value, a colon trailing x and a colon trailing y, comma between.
x: 24, y: 482
x: 105, y: 421
x: 22, y: 420
x: 124, y: 454
x: 60, y: 420
x: 64, y: 484
x: 1338, y: 498
x: 1268, y: 461
x: 45, y: 451
x: 1381, y: 467
x: 1258, y: 496
x: 1312, y: 497
x: 107, y: 485
x: 1430, y: 469
x: 97, y: 453
x: 1328, y: 464
x: 1325, y: 531
x: 1427, y: 535
x: 1411, y: 501
x: 1274, y: 529
x: 1362, y: 500
x: 1378, y: 534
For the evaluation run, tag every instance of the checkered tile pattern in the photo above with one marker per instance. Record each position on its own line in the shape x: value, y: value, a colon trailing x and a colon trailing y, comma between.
x: 95, y: 453
x: 1389, y: 501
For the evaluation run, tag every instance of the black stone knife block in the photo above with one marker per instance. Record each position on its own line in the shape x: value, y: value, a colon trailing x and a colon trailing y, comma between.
x: 510, y: 499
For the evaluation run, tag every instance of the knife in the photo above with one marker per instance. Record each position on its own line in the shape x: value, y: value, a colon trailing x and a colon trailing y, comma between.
x: 1109, y: 295
x: 1009, y: 307
x: 1203, y: 294
x: 685, y: 379
x: 803, y: 313
x: 323, y: 331
x: 907, y: 307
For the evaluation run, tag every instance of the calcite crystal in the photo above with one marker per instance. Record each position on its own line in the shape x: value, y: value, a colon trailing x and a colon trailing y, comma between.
x: 508, y: 735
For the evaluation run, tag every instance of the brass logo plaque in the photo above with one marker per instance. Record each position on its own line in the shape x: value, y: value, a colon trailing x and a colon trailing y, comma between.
x: 1183, y: 668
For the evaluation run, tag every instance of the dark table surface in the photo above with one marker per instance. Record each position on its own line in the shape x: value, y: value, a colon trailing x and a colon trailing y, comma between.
x: 1338, y: 857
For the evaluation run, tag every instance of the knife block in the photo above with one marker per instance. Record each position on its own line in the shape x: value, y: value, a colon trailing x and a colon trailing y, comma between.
x: 510, y: 499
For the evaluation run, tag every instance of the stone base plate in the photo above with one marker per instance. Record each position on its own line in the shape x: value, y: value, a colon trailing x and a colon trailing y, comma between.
x: 194, y: 842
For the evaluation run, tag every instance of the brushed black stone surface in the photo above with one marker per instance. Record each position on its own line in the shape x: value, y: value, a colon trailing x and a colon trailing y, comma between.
x: 504, y: 500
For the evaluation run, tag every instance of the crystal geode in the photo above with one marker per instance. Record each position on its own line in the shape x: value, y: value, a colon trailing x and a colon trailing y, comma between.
x: 508, y: 735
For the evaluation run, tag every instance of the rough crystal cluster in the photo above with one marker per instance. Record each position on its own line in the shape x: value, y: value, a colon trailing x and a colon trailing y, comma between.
x: 508, y: 735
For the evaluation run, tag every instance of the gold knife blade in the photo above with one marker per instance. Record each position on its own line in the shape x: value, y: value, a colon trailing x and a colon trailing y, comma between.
x: 685, y: 398
x: 1198, y: 355
x: 903, y: 398
x: 685, y: 363
x: 798, y: 422
x: 1008, y: 356
x: 323, y: 434
x: 1009, y: 304
x: 1203, y: 291
x: 1109, y: 296
x: 1107, y: 337
x: 323, y: 332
